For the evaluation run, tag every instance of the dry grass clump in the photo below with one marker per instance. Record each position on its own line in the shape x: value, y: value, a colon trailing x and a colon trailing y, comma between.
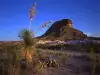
x: 87, y: 47
x: 40, y: 61
x: 95, y: 62
x: 58, y: 56
x: 9, y: 65
x: 38, y: 66
x: 43, y: 46
x: 63, y: 58
x: 13, y: 70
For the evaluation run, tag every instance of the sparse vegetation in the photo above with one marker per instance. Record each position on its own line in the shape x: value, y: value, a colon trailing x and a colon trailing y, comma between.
x: 93, y: 61
x: 29, y: 58
x: 63, y: 58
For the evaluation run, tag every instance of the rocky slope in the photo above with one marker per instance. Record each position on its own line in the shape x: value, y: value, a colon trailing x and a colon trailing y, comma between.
x: 63, y: 30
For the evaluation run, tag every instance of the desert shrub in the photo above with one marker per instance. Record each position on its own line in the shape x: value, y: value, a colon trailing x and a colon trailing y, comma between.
x: 2, y: 69
x: 87, y: 47
x: 14, y: 56
x: 93, y: 61
x: 48, y: 46
x: 43, y: 46
x: 13, y: 70
x: 92, y: 48
x: 42, y: 61
x: 8, y: 66
x: 63, y: 58
x: 37, y: 65
x: 28, y: 42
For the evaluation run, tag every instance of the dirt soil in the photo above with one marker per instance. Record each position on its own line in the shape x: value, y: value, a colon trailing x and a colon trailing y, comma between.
x: 74, y: 66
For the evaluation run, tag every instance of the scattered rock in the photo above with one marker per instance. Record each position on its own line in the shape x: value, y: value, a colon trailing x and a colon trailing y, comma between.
x: 23, y: 63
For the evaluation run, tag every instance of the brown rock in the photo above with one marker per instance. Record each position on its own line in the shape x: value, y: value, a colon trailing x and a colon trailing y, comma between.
x: 63, y: 30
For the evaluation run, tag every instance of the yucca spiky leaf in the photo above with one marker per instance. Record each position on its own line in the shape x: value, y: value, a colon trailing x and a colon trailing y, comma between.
x: 27, y: 37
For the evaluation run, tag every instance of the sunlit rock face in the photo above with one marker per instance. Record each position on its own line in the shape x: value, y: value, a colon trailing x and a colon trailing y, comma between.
x: 63, y: 30
x: 67, y: 22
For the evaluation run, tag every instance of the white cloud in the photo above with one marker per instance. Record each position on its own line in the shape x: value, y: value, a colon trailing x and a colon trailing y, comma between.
x: 88, y: 33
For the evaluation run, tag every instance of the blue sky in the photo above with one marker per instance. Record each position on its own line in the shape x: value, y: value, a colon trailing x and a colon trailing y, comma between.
x: 85, y: 15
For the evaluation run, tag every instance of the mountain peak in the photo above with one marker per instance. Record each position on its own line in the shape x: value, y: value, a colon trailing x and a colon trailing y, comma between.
x: 63, y: 30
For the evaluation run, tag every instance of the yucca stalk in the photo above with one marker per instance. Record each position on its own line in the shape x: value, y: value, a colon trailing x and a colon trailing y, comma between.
x: 30, y: 24
x: 46, y: 24
x: 32, y: 14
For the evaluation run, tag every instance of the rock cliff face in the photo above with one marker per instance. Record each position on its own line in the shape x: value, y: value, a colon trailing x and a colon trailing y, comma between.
x: 63, y: 30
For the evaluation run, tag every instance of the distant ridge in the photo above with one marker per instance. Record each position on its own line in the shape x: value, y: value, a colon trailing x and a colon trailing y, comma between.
x: 94, y: 38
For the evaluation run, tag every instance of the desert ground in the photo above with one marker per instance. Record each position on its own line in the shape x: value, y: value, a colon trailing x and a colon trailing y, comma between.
x: 69, y: 61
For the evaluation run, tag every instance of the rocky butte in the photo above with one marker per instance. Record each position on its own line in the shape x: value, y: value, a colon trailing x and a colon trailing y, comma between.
x: 63, y: 30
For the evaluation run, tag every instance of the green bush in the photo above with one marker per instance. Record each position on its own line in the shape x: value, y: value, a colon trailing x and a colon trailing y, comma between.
x: 27, y: 37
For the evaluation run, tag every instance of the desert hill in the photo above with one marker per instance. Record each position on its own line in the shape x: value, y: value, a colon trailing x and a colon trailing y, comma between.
x: 63, y: 30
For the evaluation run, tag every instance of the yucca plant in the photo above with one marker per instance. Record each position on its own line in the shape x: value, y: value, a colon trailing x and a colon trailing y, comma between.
x: 26, y: 35
x: 28, y: 42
